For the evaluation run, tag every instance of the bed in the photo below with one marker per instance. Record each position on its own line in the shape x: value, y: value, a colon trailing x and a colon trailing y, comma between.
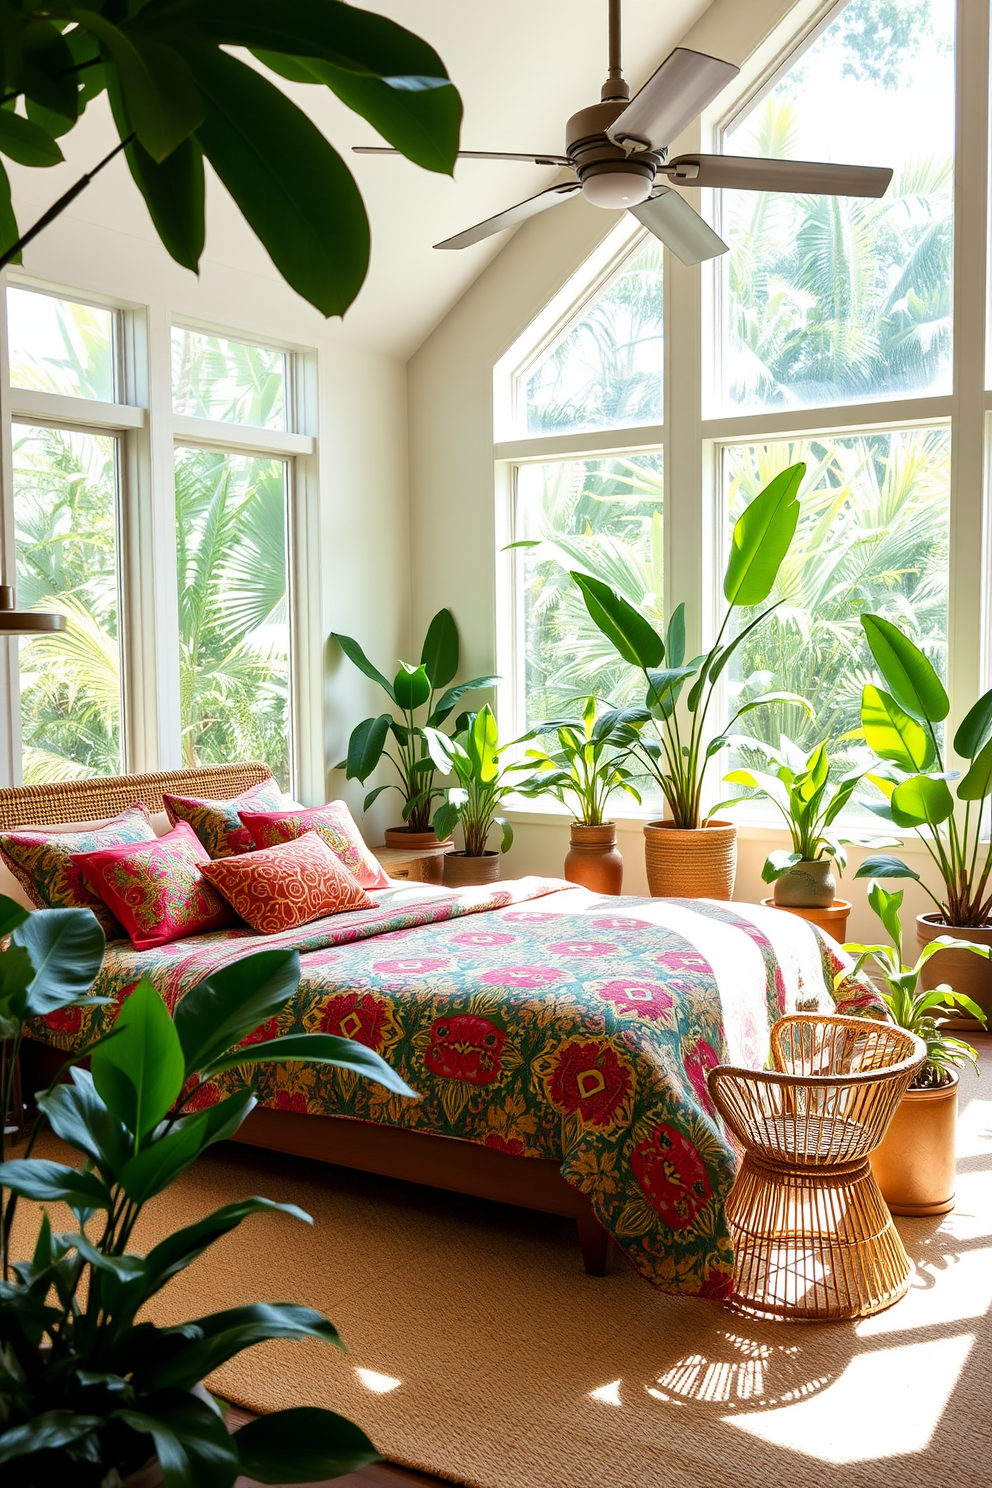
x: 559, y: 1040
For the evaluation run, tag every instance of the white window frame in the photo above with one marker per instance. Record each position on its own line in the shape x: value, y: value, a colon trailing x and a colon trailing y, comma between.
x: 149, y: 432
x: 692, y: 443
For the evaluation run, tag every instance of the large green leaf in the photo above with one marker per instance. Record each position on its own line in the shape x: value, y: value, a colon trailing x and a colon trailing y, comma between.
x: 921, y: 800
x: 66, y: 947
x: 887, y: 903
x: 291, y: 185
x: 76, y: 1113
x: 140, y: 1073
x: 51, y: 1182
x: 192, y: 1443
x: 174, y: 195
x: 354, y: 653
x: 482, y: 745
x: 449, y: 700
x: 977, y: 784
x: 47, y: 1432
x: 761, y: 539
x: 9, y: 231
x: 675, y: 637
x: 182, y: 1247
x: 160, y: 1163
x: 911, y: 679
x: 440, y: 653
x: 26, y: 142
x: 974, y: 728
x: 636, y: 640
x: 204, y: 1344
x: 892, y: 734
x: 12, y: 914
x: 317, y: 1048
x: 411, y: 687
x: 884, y: 865
x: 368, y: 740
x: 231, y: 1003
x: 664, y: 686
x: 158, y: 89
x: 302, y: 1446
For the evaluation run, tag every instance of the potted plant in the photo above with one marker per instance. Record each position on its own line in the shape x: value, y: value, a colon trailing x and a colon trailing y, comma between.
x: 914, y: 1166
x: 475, y: 754
x: 902, y: 727
x: 589, y: 765
x: 419, y: 750
x: 683, y: 860
x: 91, y: 1397
x: 803, y: 879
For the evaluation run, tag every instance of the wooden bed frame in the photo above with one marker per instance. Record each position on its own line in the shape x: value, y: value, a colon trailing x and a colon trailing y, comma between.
x: 416, y: 1157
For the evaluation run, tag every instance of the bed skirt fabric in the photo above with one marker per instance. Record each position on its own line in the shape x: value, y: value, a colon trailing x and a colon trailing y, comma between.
x: 541, y: 1020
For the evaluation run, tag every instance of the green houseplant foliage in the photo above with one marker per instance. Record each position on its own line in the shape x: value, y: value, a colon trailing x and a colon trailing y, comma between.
x: 911, y: 1006
x: 87, y: 1393
x: 179, y: 97
x: 420, y: 748
x: 901, y: 725
x: 679, y: 755
x: 800, y: 789
x: 591, y: 761
x: 484, y: 783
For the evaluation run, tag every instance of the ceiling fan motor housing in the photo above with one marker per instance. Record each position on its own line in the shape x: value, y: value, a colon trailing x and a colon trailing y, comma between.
x: 592, y: 154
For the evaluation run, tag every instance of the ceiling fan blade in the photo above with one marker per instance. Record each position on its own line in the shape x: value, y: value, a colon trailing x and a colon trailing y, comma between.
x: 679, y: 91
x: 512, y: 215
x: 754, y: 173
x: 471, y: 155
x: 680, y: 227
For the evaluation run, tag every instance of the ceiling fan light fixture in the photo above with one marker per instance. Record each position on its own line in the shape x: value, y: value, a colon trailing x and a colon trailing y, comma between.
x: 15, y: 622
x: 616, y: 189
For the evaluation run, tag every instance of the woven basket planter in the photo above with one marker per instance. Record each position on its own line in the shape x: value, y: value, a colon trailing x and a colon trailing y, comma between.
x: 698, y: 863
x: 461, y: 871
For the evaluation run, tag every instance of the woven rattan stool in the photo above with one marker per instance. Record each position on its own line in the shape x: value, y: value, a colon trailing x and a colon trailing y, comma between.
x: 812, y: 1237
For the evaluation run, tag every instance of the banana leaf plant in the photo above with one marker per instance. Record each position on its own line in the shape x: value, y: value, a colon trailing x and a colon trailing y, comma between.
x: 178, y: 97
x: 485, y: 782
x: 684, y: 744
x: 419, y: 748
x: 901, y: 723
x: 88, y: 1393
x: 911, y: 1006
x: 591, y: 761
x: 799, y: 787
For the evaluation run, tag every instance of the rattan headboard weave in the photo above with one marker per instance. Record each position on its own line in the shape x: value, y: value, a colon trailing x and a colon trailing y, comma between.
x: 89, y: 800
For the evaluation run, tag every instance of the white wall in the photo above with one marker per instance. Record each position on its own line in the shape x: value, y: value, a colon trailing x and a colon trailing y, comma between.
x: 453, y: 513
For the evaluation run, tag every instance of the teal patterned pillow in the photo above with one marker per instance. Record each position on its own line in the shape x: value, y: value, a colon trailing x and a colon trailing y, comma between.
x: 217, y: 823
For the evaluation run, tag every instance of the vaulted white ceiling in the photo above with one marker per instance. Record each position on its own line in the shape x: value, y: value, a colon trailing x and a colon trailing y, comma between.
x: 522, y: 67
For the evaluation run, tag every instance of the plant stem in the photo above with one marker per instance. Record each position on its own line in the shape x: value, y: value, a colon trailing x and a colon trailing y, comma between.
x: 59, y: 207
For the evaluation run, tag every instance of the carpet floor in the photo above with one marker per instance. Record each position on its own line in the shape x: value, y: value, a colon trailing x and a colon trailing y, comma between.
x: 479, y: 1351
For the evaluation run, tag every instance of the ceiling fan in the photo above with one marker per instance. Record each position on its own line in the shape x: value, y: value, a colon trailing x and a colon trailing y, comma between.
x: 618, y: 149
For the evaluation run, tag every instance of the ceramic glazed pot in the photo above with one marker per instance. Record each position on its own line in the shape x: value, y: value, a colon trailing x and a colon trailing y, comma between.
x: 914, y: 1166
x: 593, y: 858
x: 696, y: 863
x: 961, y: 970
x: 460, y: 871
x: 832, y: 920
x: 808, y: 885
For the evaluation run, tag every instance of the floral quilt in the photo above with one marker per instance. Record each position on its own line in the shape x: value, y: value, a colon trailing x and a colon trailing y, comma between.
x: 542, y: 1020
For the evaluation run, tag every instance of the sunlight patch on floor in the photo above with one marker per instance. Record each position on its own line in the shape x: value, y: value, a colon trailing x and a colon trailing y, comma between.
x: 379, y: 1384
x: 887, y: 1403
x: 975, y: 1129
x: 608, y: 1394
x: 947, y: 1288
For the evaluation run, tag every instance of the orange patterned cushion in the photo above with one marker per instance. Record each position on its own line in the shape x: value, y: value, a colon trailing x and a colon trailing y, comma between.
x: 155, y: 888
x: 334, y: 823
x: 217, y: 823
x: 280, y: 887
x: 42, y: 859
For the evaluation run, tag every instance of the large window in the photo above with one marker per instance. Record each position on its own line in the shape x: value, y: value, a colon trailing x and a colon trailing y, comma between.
x: 176, y: 584
x: 830, y: 332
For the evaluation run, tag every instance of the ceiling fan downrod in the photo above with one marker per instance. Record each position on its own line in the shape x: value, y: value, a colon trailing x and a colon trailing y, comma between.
x: 615, y: 87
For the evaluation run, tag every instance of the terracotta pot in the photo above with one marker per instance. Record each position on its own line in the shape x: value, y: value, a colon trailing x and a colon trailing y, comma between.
x: 914, y: 1166
x: 808, y: 885
x: 461, y: 871
x: 690, y: 863
x: 961, y: 970
x: 832, y: 920
x: 593, y: 858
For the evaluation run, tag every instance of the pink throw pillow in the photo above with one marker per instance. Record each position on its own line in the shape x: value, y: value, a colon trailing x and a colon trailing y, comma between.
x: 334, y: 824
x: 216, y: 822
x: 278, y: 888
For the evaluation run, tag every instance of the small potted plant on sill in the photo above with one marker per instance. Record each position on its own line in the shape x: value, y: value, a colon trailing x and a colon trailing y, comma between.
x: 803, y: 879
x: 902, y: 727
x: 413, y: 743
x: 588, y: 767
x: 90, y: 1396
x: 914, y: 1166
x: 684, y: 860
x: 485, y: 782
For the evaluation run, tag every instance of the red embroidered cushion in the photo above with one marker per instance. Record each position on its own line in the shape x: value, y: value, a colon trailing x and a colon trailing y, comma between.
x: 155, y: 888
x: 217, y: 823
x: 291, y: 884
x: 334, y: 824
x: 42, y: 861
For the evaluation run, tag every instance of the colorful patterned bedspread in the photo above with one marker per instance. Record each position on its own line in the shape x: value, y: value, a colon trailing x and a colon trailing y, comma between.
x: 540, y: 1019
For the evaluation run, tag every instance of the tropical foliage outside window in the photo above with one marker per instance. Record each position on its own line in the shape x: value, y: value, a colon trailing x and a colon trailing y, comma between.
x: 60, y: 346
x: 216, y: 378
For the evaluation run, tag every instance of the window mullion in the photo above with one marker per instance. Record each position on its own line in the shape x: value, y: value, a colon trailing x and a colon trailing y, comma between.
x: 10, y: 693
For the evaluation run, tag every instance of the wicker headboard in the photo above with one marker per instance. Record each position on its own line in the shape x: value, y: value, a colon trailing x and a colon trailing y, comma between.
x: 89, y: 800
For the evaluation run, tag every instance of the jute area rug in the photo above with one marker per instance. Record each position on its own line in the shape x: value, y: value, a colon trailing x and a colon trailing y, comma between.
x: 479, y: 1351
